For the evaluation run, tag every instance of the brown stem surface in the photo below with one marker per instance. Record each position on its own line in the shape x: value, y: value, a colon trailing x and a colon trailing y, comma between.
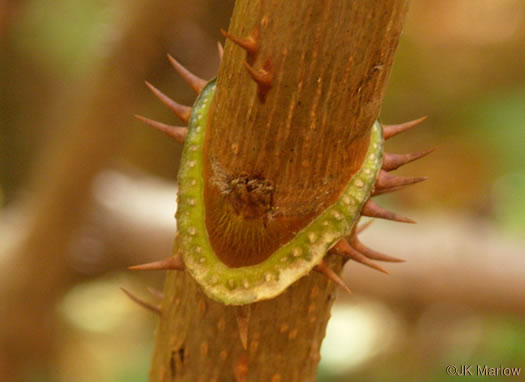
x: 305, y: 136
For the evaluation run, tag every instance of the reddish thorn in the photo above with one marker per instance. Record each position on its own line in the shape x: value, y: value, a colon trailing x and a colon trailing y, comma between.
x: 176, y: 132
x: 263, y: 77
x: 170, y: 263
x: 250, y: 43
x: 394, y: 161
x: 371, y: 209
x: 386, y: 180
x: 343, y: 247
x: 370, y: 253
x: 386, y: 191
x: 243, y: 318
x: 390, y: 130
x: 144, y: 304
x: 196, y: 83
x: 325, y: 269
x: 156, y: 292
x: 364, y: 227
x: 181, y: 111
x: 220, y: 49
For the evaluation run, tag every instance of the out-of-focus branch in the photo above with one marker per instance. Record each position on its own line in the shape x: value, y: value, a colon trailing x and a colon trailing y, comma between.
x: 449, y: 258
x: 92, y: 127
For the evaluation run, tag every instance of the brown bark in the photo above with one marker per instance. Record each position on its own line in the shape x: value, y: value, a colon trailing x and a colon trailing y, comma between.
x: 306, y: 135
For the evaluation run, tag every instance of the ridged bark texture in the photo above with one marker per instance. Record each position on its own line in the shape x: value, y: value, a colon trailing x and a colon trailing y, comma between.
x: 307, y: 135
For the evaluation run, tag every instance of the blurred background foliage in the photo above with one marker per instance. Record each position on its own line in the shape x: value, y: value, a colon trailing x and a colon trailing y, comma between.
x: 461, y: 62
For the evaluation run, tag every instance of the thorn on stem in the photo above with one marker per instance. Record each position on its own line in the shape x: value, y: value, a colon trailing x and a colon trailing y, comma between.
x: 250, y: 43
x: 363, y: 227
x: 263, y: 78
x: 344, y: 248
x: 242, y: 314
x: 170, y: 263
x: 181, y: 111
x: 391, y: 130
x: 370, y: 253
x: 325, y: 269
x: 142, y: 303
x: 196, y: 83
x: 386, y: 180
x: 394, y: 161
x: 371, y: 209
x: 385, y: 191
x: 178, y: 133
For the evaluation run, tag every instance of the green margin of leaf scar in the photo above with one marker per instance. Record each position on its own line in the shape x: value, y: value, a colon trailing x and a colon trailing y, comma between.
x: 245, y: 285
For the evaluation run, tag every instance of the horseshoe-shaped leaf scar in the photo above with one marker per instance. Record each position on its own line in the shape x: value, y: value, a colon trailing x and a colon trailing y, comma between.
x: 333, y: 229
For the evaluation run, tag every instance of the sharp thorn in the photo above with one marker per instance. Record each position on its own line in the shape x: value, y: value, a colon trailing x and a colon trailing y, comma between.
x: 220, y: 49
x: 344, y: 248
x: 325, y: 269
x: 176, y: 132
x: 170, y: 263
x: 373, y: 210
x: 156, y: 292
x: 250, y: 43
x: 391, y: 130
x: 394, y: 161
x: 144, y: 304
x: 263, y: 78
x: 385, y: 191
x: 363, y: 227
x: 386, y: 180
x: 196, y: 83
x: 370, y: 253
x: 181, y: 111
x: 242, y: 314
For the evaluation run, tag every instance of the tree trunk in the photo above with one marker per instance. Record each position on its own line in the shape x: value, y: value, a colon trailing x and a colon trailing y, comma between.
x: 308, y: 133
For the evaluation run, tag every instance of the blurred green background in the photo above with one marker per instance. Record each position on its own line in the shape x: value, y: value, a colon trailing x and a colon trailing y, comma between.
x: 459, y: 300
